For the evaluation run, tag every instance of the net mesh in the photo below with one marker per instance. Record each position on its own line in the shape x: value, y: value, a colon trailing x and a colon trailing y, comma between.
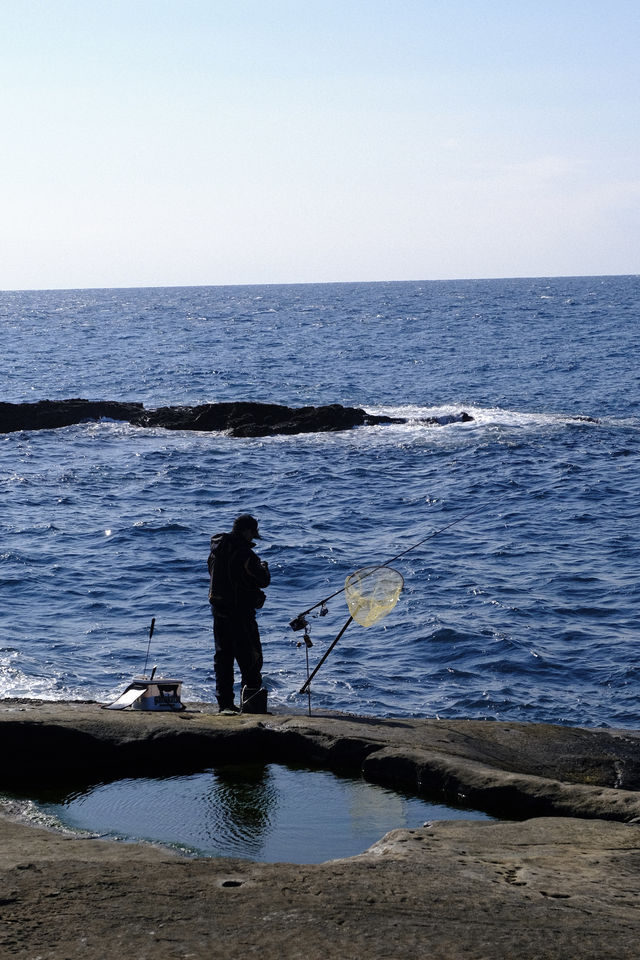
x: 372, y: 592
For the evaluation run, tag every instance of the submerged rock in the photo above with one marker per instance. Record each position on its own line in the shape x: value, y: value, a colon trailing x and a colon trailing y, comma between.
x: 240, y: 419
x: 447, y: 418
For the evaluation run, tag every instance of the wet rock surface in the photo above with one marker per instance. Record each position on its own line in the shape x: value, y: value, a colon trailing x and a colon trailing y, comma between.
x: 560, y: 886
x: 239, y: 419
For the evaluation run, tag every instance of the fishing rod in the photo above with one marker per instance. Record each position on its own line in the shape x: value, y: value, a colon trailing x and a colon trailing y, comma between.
x: 299, y: 622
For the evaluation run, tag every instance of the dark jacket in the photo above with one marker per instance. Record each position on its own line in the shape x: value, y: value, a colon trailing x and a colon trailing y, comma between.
x: 237, y: 575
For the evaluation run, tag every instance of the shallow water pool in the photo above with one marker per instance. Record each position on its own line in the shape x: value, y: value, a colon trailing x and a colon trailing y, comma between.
x: 263, y: 812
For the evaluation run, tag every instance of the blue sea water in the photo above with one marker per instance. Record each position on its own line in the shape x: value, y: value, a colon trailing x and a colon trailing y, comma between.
x: 527, y: 609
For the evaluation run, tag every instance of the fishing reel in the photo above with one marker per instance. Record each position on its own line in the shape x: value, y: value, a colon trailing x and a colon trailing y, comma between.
x: 301, y: 623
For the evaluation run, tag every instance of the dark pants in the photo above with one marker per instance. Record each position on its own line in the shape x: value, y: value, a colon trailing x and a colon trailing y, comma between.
x: 236, y: 637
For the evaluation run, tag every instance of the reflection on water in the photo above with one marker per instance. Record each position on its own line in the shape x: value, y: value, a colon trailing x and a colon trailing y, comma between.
x: 238, y: 809
x: 265, y: 812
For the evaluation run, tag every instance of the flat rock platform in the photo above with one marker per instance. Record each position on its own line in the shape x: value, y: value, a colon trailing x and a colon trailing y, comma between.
x: 557, y: 875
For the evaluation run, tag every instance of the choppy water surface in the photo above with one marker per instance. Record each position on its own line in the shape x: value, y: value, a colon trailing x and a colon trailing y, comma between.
x: 527, y: 609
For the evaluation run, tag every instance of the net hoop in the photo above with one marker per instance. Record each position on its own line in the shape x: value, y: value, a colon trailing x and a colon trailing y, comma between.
x: 372, y: 593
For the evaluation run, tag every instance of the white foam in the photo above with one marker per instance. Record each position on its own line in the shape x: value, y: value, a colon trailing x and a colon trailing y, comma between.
x: 482, y: 416
x: 16, y: 684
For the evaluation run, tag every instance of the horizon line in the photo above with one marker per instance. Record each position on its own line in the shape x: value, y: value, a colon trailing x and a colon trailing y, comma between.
x: 308, y: 283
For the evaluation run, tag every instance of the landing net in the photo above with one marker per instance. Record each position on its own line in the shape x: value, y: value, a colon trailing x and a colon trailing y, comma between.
x: 372, y: 592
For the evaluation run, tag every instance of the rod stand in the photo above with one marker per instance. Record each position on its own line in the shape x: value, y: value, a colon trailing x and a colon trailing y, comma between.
x: 307, y: 644
x: 306, y: 684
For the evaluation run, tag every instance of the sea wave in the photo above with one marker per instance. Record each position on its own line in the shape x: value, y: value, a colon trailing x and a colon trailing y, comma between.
x: 520, y: 601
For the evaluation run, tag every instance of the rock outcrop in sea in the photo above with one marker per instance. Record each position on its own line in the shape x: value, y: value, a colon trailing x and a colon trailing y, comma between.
x: 239, y: 419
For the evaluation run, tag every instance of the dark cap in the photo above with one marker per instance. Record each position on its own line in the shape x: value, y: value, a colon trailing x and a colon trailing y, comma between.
x: 246, y: 522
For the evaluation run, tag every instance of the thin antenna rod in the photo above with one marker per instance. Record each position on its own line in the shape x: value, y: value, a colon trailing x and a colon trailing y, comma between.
x: 153, y: 623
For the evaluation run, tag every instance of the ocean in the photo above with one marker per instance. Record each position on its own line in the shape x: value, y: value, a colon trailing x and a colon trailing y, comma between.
x: 524, y: 609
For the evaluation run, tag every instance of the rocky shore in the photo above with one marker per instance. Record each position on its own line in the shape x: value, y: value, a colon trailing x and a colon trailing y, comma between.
x: 239, y: 419
x: 556, y: 876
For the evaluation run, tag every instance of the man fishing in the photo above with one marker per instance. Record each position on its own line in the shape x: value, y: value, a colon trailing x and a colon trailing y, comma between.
x: 237, y: 578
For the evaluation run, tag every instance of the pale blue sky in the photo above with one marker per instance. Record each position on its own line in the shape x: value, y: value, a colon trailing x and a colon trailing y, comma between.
x: 162, y: 142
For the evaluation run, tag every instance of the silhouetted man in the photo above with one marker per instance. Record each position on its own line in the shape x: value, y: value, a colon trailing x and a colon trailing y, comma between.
x: 237, y: 577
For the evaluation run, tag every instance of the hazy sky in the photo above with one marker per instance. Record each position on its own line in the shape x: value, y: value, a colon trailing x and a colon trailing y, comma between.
x: 170, y: 142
